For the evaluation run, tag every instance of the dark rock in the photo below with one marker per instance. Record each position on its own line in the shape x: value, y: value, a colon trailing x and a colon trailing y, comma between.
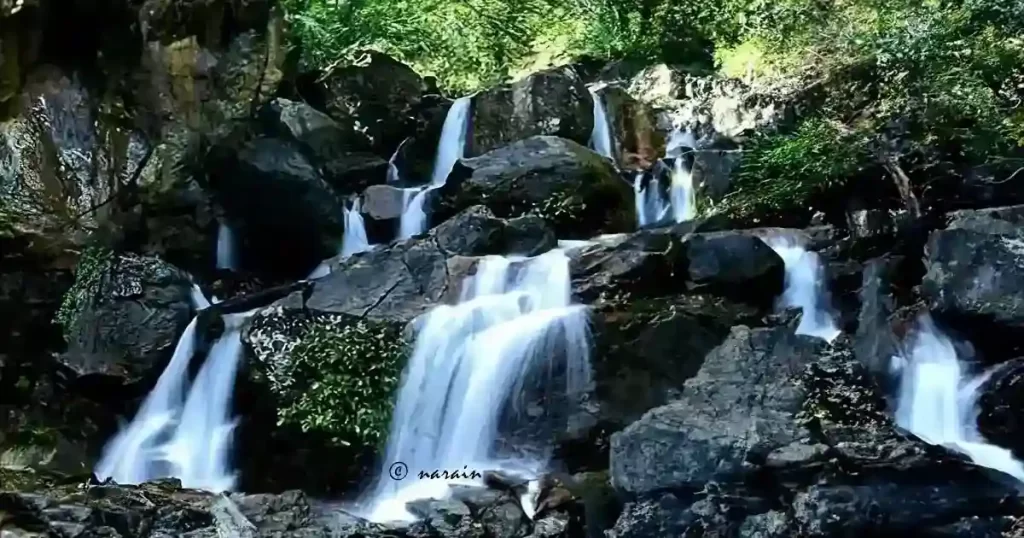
x: 553, y: 102
x: 999, y: 416
x: 573, y: 188
x: 875, y: 341
x: 712, y: 171
x: 382, y: 208
x: 749, y: 382
x: 642, y: 264
x: 286, y: 218
x: 529, y: 235
x: 637, y: 142
x: 975, y: 269
x: 130, y: 322
x: 866, y: 223
x: 722, y: 260
x: 375, y: 95
x: 345, y: 164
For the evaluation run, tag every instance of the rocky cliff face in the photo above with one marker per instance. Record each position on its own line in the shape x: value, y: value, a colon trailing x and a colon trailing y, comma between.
x: 124, y: 151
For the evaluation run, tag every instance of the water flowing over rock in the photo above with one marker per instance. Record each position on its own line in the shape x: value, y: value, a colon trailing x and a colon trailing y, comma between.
x: 183, y: 430
x: 450, y: 148
x: 511, y: 324
x: 636, y: 143
x: 573, y: 188
x: 937, y: 400
x: 601, y: 140
x: 553, y: 102
x: 805, y: 288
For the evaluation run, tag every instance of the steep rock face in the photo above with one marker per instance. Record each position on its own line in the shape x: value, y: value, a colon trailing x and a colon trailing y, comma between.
x: 752, y: 365
x: 130, y: 312
x: 375, y: 97
x: 637, y: 141
x: 573, y: 188
x: 63, y: 159
x: 976, y: 265
x: 999, y: 407
x: 553, y: 103
x: 327, y: 144
x: 284, y: 214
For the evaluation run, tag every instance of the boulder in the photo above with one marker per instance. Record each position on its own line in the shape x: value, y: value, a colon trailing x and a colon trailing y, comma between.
x: 974, y: 269
x: 627, y: 266
x: 553, y: 103
x: 638, y: 143
x: 382, y: 207
x: 999, y: 406
x: 722, y: 261
x: 64, y: 161
x: 344, y: 163
x: 123, y: 316
x: 376, y: 96
x: 284, y: 215
x: 574, y: 189
x: 716, y: 427
x: 712, y: 171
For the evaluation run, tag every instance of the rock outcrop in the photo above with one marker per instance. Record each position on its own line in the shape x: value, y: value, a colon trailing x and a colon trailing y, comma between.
x: 573, y: 188
x: 550, y: 103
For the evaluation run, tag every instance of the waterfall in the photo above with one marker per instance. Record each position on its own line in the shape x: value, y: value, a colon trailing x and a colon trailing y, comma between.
x: 651, y: 206
x: 601, y: 136
x: 226, y: 248
x: 179, y: 435
x: 805, y: 288
x: 354, y: 239
x: 683, y: 199
x: 470, y: 364
x: 450, y: 148
x: 937, y: 400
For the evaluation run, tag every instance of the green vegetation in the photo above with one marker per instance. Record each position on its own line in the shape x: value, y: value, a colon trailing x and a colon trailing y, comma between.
x: 909, y: 90
x: 339, y: 380
x: 93, y: 263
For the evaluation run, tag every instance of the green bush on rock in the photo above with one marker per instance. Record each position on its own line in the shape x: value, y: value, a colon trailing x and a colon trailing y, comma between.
x: 92, y: 264
x: 338, y: 377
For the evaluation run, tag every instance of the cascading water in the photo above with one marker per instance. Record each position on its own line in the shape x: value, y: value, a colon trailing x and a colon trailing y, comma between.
x: 470, y: 364
x: 601, y: 136
x: 226, y: 248
x: 450, y: 148
x: 804, y: 288
x: 353, y: 241
x: 177, y: 436
x: 651, y: 206
x: 682, y: 197
x: 937, y: 400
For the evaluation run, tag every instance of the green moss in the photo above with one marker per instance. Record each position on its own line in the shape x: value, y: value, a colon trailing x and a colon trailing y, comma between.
x: 339, y: 379
x: 92, y: 264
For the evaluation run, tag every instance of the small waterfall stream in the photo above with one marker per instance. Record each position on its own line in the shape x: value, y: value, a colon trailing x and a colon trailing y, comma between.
x: 354, y: 240
x: 227, y: 248
x: 601, y: 137
x: 469, y: 365
x: 937, y: 399
x: 450, y: 148
x: 183, y: 434
x: 651, y: 206
x: 805, y: 288
x: 651, y: 203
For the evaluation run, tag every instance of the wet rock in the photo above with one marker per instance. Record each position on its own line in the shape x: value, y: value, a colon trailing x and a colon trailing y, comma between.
x: 194, y: 76
x: 975, y: 268
x: 345, y: 165
x: 553, y: 102
x: 875, y: 341
x: 284, y: 215
x: 999, y: 416
x: 867, y: 223
x: 377, y: 96
x: 127, y: 315
x: 722, y: 260
x: 712, y: 171
x: 382, y: 209
x: 641, y: 264
x: 65, y: 159
x: 638, y: 143
x: 750, y: 383
x: 573, y: 188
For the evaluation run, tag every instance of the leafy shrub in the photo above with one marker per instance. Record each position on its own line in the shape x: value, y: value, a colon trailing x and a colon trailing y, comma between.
x: 783, y: 171
x: 93, y: 263
x: 339, y: 379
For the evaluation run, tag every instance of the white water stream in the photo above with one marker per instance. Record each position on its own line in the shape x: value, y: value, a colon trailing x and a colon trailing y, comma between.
x: 227, y: 248
x: 450, y: 148
x: 469, y: 365
x: 182, y: 431
x: 805, y: 288
x: 937, y: 399
x: 601, y: 140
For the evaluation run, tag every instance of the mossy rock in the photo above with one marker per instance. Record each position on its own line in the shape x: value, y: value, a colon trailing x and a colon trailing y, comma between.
x: 332, y: 374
